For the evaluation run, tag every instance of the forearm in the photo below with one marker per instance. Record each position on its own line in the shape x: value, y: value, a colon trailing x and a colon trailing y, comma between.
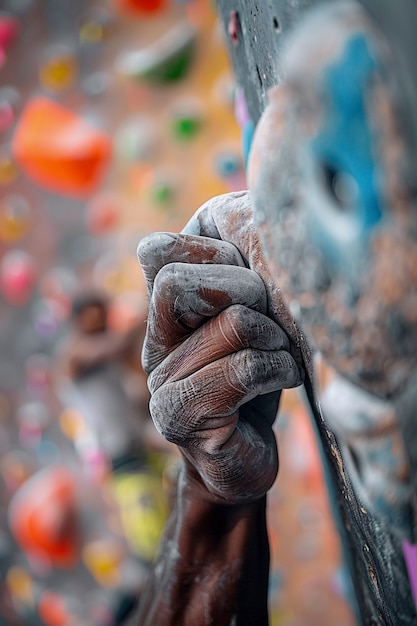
x: 213, y: 564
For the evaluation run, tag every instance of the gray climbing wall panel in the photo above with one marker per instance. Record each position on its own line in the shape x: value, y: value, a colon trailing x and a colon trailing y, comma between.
x: 255, y: 33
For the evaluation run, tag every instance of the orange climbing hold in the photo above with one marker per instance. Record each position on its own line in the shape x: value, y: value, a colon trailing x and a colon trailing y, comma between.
x: 59, y: 150
x: 52, y: 609
x: 139, y: 6
x: 43, y: 516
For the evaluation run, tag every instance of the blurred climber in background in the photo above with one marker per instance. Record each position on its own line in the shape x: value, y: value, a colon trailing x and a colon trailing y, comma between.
x: 93, y: 373
x: 97, y: 363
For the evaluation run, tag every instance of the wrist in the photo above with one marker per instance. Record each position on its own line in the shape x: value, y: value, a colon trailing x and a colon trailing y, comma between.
x: 220, y: 549
x: 203, y: 516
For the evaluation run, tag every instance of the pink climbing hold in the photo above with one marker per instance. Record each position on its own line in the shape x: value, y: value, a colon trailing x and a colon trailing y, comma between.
x: 9, y: 27
x: 233, y: 27
x: 6, y: 112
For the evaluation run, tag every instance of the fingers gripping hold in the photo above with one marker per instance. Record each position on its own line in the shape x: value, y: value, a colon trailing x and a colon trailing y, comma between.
x: 216, y: 361
x: 234, y: 329
x: 200, y: 413
x: 159, y: 249
x: 185, y: 296
x: 189, y: 410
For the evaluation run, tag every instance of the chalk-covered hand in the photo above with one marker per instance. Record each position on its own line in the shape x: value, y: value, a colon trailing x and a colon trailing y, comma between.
x: 217, y: 363
x: 217, y: 359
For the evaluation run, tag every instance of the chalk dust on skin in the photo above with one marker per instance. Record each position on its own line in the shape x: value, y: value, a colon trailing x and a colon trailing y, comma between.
x: 158, y: 249
x: 235, y: 328
x: 219, y: 296
x: 230, y: 218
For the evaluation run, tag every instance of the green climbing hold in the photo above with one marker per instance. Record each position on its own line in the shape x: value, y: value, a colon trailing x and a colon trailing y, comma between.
x: 166, y: 61
x: 162, y: 193
x: 185, y: 126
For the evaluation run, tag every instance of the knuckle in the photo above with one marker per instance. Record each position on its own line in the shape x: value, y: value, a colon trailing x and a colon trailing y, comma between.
x: 162, y: 419
x: 245, y: 369
x: 154, y: 247
x: 166, y: 282
x: 257, y: 371
x: 287, y: 370
x: 253, y: 329
x: 238, y: 315
x: 157, y: 377
x: 170, y: 416
x: 176, y: 282
x: 237, y: 322
x: 145, y: 248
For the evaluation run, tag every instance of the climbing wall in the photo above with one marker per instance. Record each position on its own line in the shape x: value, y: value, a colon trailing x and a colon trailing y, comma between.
x: 308, y: 584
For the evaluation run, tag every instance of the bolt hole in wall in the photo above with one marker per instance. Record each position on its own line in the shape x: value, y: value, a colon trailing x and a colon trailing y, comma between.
x: 276, y: 24
x: 341, y: 187
x: 233, y: 27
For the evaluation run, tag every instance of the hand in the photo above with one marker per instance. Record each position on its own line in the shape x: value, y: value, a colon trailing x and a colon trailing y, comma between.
x: 217, y: 364
x: 230, y: 218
